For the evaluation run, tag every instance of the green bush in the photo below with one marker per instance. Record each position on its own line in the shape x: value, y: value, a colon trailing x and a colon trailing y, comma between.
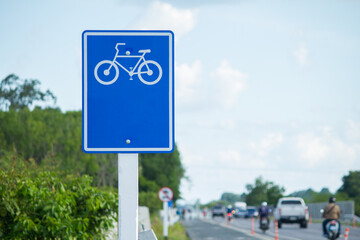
x: 151, y: 200
x: 44, y: 207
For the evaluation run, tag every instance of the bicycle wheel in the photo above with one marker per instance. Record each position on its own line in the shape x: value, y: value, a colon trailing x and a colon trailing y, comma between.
x: 104, y: 69
x: 150, y: 72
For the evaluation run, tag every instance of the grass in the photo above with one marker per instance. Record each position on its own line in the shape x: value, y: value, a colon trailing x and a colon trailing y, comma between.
x: 175, y: 232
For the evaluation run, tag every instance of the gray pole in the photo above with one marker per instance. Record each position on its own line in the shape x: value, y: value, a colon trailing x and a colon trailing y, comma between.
x: 166, y: 219
x: 128, y: 196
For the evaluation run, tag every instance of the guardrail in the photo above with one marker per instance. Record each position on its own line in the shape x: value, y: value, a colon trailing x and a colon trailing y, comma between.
x: 144, y: 225
x: 173, y: 217
x: 144, y: 219
x: 347, y: 209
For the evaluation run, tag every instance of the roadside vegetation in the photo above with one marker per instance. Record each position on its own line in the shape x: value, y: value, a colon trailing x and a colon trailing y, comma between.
x: 41, y: 161
x: 41, y: 205
x: 175, y: 232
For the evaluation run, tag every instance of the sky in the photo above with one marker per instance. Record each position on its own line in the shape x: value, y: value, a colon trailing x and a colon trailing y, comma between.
x: 262, y: 88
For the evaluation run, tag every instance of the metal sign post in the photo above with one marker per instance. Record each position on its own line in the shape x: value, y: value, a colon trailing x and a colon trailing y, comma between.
x: 128, y: 196
x: 165, y: 194
x: 166, y: 218
x: 128, y: 105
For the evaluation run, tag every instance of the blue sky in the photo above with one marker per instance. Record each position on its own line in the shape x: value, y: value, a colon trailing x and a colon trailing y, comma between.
x: 264, y: 88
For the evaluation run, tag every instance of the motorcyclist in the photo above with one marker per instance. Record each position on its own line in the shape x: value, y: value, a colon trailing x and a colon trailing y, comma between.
x: 331, y: 212
x: 264, y: 212
x: 229, y: 212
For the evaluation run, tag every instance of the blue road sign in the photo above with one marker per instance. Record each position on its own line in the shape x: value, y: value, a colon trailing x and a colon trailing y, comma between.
x: 128, y: 91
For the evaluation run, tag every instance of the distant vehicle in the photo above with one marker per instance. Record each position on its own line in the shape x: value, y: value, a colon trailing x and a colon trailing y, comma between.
x: 251, y: 212
x: 240, y: 209
x: 291, y: 210
x: 240, y: 213
x: 218, y: 210
x: 240, y: 205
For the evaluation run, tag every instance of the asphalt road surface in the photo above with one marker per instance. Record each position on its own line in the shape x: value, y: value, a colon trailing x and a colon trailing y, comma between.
x: 218, y: 229
x: 207, y: 230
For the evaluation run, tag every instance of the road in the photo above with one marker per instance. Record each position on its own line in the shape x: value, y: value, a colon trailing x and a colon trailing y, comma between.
x: 217, y: 229
x: 208, y: 230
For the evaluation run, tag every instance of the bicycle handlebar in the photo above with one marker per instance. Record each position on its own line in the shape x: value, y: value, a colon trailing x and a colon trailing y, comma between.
x: 116, y: 47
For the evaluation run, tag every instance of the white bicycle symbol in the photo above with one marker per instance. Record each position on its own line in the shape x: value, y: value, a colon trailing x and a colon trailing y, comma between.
x: 149, y: 72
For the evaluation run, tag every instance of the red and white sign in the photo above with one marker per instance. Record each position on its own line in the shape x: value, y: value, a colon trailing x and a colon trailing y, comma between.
x: 166, y: 194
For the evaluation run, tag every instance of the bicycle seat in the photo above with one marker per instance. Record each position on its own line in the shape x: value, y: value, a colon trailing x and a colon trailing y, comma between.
x: 145, y: 51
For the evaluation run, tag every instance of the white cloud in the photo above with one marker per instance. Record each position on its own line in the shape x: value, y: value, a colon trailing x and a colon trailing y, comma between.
x: 347, y: 153
x: 301, y: 55
x: 189, y: 159
x: 312, y: 148
x: 268, y: 143
x: 230, y: 156
x: 164, y: 16
x: 233, y: 159
x: 294, y: 124
x: 299, y: 33
x: 188, y: 78
x: 231, y: 82
x: 310, y: 158
x: 354, y: 130
x: 325, y: 149
x: 217, y: 124
x: 227, y: 123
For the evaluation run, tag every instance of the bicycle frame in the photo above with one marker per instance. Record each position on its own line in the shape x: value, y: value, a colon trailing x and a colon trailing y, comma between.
x: 149, y: 72
x: 132, y: 69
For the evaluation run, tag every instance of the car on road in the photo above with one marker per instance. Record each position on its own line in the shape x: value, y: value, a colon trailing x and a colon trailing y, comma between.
x: 218, y: 210
x: 291, y: 210
x: 240, y: 213
x: 251, y: 212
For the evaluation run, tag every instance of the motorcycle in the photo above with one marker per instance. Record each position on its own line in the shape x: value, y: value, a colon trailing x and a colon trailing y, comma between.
x: 264, y: 224
x: 333, y: 229
x: 229, y: 215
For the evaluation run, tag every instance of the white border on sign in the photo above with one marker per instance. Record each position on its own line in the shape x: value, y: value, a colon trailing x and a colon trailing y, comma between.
x: 85, y: 78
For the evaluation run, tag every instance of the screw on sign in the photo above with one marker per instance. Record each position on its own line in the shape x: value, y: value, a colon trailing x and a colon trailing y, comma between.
x: 166, y: 194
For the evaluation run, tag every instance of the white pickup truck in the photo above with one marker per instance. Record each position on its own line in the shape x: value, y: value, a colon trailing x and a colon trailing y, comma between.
x: 291, y: 210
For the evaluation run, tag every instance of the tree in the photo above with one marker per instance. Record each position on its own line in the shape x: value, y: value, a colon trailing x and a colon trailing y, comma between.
x: 16, y: 93
x: 232, y: 198
x: 164, y: 169
x: 351, y: 184
x: 351, y: 188
x: 43, y: 206
x: 311, y: 196
x: 51, y: 140
x: 212, y: 204
x: 323, y: 195
x: 263, y: 191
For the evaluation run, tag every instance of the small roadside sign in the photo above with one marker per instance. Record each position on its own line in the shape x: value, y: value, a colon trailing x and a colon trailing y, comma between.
x: 166, y: 194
